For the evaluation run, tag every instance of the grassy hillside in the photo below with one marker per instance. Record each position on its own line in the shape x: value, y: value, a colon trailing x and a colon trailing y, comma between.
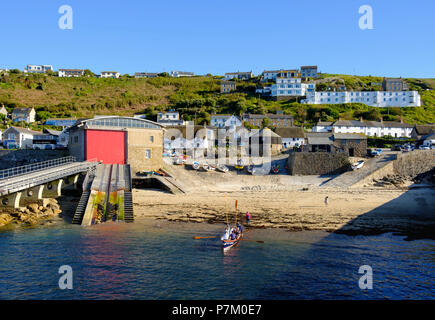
x: 195, y: 98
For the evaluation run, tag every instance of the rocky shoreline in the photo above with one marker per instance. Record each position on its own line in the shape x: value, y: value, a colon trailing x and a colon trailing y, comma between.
x: 32, y: 214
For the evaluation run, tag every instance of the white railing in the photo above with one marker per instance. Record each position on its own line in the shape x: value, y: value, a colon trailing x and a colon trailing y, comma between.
x: 18, y: 171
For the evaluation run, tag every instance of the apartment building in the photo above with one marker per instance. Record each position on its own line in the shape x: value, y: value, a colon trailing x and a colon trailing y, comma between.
x: 228, y: 86
x: 370, y: 98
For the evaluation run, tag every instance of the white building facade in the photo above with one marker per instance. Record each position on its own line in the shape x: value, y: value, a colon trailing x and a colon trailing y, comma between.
x: 32, y: 68
x: 71, y: 73
x: 225, y: 121
x: 178, y: 74
x: 368, y: 128
x: 291, y: 87
x: 110, y: 74
x: 370, y: 98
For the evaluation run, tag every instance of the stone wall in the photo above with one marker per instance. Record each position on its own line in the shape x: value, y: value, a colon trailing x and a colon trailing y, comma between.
x: 415, y: 162
x: 15, y: 158
x: 317, y: 163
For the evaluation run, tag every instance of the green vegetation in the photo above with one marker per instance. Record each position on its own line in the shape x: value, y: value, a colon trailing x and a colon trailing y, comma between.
x: 196, y: 98
x: 386, y: 141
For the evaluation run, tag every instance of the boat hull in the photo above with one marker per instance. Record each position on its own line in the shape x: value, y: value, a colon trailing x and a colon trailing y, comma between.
x: 228, y: 244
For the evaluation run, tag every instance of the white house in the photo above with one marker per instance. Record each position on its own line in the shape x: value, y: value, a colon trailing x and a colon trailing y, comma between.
x: 272, y: 75
x: 23, y: 114
x: 291, y: 87
x: 146, y: 75
x: 188, y: 137
x: 239, y: 75
x: 291, y: 137
x: 71, y: 73
x: 370, y: 98
x: 368, y: 128
x: 169, y: 118
x: 21, y: 138
x: 31, y: 68
x: 3, y: 111
x: 109, y: 74
x: 225, y: 121
x: 178, y: 74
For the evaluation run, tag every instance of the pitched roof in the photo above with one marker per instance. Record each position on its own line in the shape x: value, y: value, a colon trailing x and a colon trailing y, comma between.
x: 424, y: 129
x: 319, y: 137
x: 309, y: 67
x: 348, y: 136
x: 366, y: 123
x: 21, y: 110
x: 291, y: 132
x: 268, y: 115
x: 24, y: 130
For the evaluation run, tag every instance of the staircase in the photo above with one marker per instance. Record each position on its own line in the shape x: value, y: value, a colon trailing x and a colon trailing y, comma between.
x: 128, y: 207
x: 81, y: 207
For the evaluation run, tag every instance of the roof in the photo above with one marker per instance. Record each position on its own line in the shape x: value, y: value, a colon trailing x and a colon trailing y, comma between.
x: 348, y: 136
x: 309, y: 67
x: 117, y: 122
x: 71, y: 69
x: 424, y: 129
x: 182, y: 130
x: 319, y: 137
x: 291, y: 132
x: 109, y: 72
x: 430, y: 136
x: 247, y: 72
x: 22, y: 110
x: 264, y: 131
x: 52, y: 132
x: 324, y: 123
x: 24, y: 130
x: 268, y: 115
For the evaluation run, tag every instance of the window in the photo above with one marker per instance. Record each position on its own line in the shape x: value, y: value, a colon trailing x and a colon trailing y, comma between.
x: 148, y: 154
x: 76, y: 139
x: 151, y: 139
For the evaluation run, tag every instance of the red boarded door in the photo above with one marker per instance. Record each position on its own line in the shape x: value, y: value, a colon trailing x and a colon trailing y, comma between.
x: 106, y: 146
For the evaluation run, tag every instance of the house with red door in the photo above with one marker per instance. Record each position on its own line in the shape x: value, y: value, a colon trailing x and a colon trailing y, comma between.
x: 118, y: 140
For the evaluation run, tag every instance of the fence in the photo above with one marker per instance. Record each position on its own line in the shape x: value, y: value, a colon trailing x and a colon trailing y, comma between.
x: 18, y: 171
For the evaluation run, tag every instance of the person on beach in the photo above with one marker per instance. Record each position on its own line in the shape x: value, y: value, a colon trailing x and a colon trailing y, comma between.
x: 248, y: 217
x: 326, y: 200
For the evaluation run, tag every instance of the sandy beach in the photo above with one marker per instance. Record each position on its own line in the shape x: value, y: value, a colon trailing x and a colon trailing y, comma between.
x: 366, y: 211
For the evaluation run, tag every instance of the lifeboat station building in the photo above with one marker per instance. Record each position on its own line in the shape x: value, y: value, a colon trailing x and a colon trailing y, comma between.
x: 118, y: 140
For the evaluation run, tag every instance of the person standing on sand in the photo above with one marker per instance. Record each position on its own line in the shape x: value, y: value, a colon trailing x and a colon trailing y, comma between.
x: 248, y: 217
x: 326, y: 200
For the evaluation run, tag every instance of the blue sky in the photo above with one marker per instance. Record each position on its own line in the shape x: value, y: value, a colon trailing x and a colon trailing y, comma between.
x: 209, y: 36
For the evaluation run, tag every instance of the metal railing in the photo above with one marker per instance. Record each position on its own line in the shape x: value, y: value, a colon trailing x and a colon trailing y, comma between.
x: 18, y: 171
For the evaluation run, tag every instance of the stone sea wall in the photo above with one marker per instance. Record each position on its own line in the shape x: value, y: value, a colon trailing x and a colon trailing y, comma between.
x: 317, y: 163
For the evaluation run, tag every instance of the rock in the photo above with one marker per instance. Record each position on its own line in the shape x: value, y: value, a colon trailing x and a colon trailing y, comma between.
x: 33, y: 207
x: 5, y: 219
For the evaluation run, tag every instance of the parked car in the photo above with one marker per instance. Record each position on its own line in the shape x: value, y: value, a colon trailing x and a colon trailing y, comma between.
x: 424, y: 147
x: 396, y: 147
x: 376, y: 152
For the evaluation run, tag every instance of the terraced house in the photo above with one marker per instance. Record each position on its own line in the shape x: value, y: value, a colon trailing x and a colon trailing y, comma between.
x: 278, y: 120
x: 369, y: 128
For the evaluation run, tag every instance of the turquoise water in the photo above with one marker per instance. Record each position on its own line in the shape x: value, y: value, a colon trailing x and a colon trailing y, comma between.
x: 160, y: 260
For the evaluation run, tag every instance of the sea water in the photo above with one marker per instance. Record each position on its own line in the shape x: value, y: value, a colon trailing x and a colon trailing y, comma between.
x: 161, y: 260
